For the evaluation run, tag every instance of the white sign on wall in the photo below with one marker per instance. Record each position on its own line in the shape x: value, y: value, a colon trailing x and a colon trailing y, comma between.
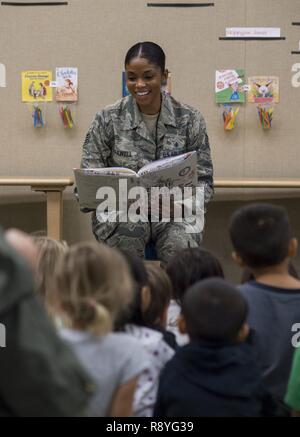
x: 254, y: 32
x: 2, y: 76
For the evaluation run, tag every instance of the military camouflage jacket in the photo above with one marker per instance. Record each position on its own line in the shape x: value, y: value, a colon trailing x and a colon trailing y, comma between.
x: 118, y: 137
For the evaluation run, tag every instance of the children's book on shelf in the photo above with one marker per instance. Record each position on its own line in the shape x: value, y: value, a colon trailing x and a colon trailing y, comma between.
x: 66, y: 84
x: 36, y: 86
x: 230, y: 86
x: 263, y: 89
x: 177, y: 171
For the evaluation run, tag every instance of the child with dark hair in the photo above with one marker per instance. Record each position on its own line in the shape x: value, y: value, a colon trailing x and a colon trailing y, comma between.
x: 185, y: 268
x: 161, y: 291
x: 262, y: 240
x: 189, y: 266
x: 158, y: 351
x: 141, y: 293
x: 216, y: 373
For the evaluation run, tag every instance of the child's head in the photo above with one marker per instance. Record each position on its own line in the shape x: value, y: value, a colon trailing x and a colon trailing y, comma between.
x: 261, y: 235
x: 24, y: 245
x: 50, y: 254
x: 141, y: 293
x: 214, y: 310
x: 188, y: 266
x: 93, y: 285
x: 160, y: 296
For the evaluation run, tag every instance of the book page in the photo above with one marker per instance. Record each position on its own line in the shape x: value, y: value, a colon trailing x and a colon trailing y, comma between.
x: 178, y: 171
x: 89, y: 181
x: 164, y: 163
x: 111, y: 171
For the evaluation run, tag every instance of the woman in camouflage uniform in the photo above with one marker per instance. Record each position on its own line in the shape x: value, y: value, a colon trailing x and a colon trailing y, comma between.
x: 145, y: 126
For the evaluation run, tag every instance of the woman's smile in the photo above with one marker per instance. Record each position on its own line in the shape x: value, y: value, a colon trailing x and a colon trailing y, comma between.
x: 144, y: 81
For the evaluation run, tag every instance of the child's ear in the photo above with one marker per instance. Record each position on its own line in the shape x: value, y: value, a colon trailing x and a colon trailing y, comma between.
x: 237, y: 259
x: 181, y: 324
x: 293, y: 247
x: 145, y: 298
x: 243, y: 333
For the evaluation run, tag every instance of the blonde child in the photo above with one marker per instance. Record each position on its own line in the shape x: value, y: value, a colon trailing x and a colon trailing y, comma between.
x: 93, y: 286
x: 49, y: 255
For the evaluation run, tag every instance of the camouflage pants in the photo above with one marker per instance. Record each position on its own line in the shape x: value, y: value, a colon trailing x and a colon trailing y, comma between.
x: 167, y: 237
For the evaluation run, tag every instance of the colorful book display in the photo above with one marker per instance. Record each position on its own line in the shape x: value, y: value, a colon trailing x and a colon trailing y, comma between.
x: 66, y: 84
x: 36, y: 86
x: 263, y: 89
x: 67, y: 92
x: 67, y: 116
x: 265, y: 114
x: 229, y: 116
x: 38, y: 116
x: 229, y: 86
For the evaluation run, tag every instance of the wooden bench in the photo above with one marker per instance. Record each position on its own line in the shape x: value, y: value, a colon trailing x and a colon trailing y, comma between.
x: 257, y: 183
x: 53, y: 188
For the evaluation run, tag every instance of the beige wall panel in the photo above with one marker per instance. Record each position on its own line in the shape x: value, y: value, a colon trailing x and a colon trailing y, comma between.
x: 95, y: 36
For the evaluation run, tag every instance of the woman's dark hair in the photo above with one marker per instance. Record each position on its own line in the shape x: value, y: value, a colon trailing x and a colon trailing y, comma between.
x: 148, y: 50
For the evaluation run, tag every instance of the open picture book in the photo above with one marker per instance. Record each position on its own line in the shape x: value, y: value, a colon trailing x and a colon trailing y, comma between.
x: 177, y: 171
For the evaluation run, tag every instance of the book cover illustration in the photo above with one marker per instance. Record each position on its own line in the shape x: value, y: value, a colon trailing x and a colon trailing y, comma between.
x: 263, y: 89
x: 229, y: 86
x: 36, y: 86
x: 66, y: 84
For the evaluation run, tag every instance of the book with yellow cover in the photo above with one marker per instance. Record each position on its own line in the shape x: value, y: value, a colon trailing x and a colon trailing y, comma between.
x: 36, y: 86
